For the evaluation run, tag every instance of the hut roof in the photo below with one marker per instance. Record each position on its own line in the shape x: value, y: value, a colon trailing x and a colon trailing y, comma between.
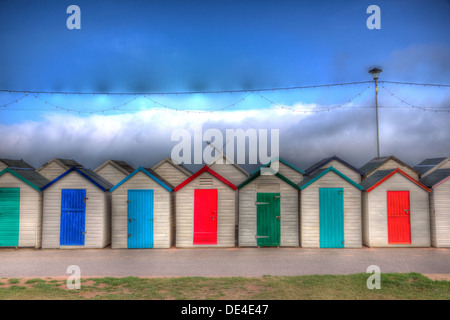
x: 199, y: 172
x: 316, y: 175
x: 151, y: 174
x: 375, y: 163
x: 118, y: 164
x: 436, y: 178
x: 324, y: 161
x: 228, y: 161
x: 428, y: 164
x: 65, y: 163
x: 90, y: 175
x: 29, y: 176
x: 381, y: 176
x: 16, y: 163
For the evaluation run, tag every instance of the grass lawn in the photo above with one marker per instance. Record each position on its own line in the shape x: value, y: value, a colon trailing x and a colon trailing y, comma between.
x: 393, y: 286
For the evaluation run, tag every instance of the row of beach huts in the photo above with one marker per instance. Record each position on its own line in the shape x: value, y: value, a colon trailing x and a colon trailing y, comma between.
x: 332, y: 204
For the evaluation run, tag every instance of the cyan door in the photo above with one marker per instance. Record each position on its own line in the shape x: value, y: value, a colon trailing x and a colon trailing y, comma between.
x: 140, y: 219
x: 73, y: 217
x: 331, y: 220
x: 9, y: 217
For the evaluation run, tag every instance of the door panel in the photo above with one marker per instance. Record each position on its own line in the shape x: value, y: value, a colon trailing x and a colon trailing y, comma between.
x: 268, y: 219
x: 140, y: 218
x: 73, y: 217
x: 331, y: 217
x: 398, y: 212
x: 205, y: 216
x: 9, y: 217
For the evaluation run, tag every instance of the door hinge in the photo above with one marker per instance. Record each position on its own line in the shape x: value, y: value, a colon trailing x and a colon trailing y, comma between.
x: 276, y: 197
x: 129, y: 235
x: 257, y: 203
x: 259, y: 237
x: 84, y: 199
x: 128, y: 201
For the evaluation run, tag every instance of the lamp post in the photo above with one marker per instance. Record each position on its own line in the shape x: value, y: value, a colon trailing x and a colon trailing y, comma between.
x: 375, y: 72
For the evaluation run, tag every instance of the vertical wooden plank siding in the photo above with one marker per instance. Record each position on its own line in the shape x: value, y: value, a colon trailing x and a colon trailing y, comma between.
x: 440, y: 215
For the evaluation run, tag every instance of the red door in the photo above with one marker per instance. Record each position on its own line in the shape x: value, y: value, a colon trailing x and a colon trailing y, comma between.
x: 399, y: 227
x: 205, y: 216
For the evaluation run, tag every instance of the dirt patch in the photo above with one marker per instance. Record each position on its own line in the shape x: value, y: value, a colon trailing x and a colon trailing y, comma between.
x: 438, y: 277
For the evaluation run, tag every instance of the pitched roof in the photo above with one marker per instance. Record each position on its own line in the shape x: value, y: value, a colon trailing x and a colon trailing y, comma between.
x: 316, y: 175
x: 65, y: 163
x: 381, y: 176
x: 258, y: 173
x: 436, y: 178
x: 16, y: 163
x: 427, y: 164
x: 90, y: 175
x: 199, y: 172
x: 178, y: 166
x: 290, y: 165
x: 118, y: 164
x: 29, y: 176
x: 324, y: 161
x: 375, y: 163
x: 228, y: 161
x: 150, y: 173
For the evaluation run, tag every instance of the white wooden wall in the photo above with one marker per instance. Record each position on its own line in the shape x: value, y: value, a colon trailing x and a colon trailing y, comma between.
x: 440, y: 215
x: 52, y: 170
x: 355, y: 176
x: 309, y: 202
x: 375, y: 213
x: 30, y: 219
x: 111, y: 174
x: 171, y: 174
x: 225, y: 212
x: 163, y: 214
x: 391, y: 164
x: 289, y: 211
x: 229, y: 172
x: 290, y: 173
x: 98, y: 216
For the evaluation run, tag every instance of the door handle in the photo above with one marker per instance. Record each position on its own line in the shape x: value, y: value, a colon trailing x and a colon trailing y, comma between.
x: 84, y: 232
x: 278, y: 217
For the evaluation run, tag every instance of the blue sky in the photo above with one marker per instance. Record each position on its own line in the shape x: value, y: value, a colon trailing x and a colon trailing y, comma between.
x: 166, y: 46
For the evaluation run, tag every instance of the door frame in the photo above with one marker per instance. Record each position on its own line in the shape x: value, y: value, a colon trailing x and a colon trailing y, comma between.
x: 16, y: 241
x: 276, y: 225
x: 83, y: 227
x: 151, y: 228
x: 339, y: 225
x: 409, y: 216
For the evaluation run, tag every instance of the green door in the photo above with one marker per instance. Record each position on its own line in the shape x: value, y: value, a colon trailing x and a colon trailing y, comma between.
x: 331, y: 220
x: 268, y: 219
x: 9, y: 217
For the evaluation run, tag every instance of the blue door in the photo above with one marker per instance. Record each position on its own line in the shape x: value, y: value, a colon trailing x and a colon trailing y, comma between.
x: 73, y: 217
x: 140, y: 219
x: 331, y: 220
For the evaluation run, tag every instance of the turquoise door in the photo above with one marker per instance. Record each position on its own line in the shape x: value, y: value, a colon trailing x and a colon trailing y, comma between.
x: 331, y: 217
x: 9, y: 217
x: 140, y: 219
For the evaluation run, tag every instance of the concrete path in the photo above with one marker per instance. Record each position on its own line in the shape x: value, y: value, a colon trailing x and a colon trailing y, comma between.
x: 248, y: 262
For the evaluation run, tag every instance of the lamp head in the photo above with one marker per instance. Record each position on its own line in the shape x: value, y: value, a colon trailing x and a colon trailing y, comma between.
x: 375, y: 72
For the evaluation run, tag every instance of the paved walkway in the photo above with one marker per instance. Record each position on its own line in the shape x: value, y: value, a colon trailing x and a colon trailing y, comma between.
x: 26, y: 263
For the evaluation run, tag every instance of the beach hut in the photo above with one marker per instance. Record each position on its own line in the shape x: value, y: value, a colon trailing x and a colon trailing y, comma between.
x: 395, y: 210
x: 439, y: 183
x: 56, y: 167
x: 428, y: 166
x: 268, y: 211
x: 21, y: 207
x: 171, y: 172
x: 285, y: 168
x: 77, y: 211
x: 205, y: 211
x: 330, y: 210
x: 339, y: 164
x: 387, y: 163
x: 114, y: 171
x: 143, y: 211
x: 5, y: 163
